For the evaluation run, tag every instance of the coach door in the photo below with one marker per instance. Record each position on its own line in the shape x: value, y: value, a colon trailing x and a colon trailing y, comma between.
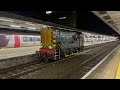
x: 17, y: 40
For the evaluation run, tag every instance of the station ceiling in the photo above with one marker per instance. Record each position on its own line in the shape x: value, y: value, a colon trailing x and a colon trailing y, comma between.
x: 19, y: 24
x: 81, y: 20
x: 111, y: 18
x: 115, y: 17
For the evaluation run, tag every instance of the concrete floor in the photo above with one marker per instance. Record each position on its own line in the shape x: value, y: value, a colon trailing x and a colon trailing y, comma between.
x: 109, y: 68
x: 14, y: 52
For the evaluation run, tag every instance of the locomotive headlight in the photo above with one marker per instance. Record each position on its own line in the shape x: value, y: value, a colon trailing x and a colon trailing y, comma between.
x: 54, y: 41
x: 50, y: 47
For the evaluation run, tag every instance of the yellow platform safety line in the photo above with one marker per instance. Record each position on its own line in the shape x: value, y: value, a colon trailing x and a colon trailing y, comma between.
x: 118, y: 72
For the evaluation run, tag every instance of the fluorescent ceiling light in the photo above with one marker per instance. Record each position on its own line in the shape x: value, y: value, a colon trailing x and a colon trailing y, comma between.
x: 31, y: 28
x: 62, y: 18
x: 29, y: 24
x: 15, y: 26
x: 44, y: 26
x: 48, y: 12
x: 6, y: 20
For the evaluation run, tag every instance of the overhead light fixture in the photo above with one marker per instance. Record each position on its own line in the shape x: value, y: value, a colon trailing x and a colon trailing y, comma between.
x: 48, y: 12
x: 31, y: 28
x: 44, y: 26
x: 6, y: 20
x: 62, y: 18
x: 29, y: 24
x: 15, y: 26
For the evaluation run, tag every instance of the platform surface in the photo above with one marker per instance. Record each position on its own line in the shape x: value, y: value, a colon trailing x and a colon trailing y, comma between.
x: 108, y: 69
x: 14, y: 52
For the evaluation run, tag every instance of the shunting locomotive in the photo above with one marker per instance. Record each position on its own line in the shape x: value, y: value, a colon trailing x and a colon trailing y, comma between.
x: 58, y: 43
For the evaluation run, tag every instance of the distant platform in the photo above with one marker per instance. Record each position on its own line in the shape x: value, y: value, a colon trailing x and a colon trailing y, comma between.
x: 95, y: 43
x: 15, y: 52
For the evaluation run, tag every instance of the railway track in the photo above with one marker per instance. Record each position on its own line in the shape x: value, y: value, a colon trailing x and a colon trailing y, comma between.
x: 97, y: 45
x: 82, y: 68
x: 9, y: 72
x: 16, y: 71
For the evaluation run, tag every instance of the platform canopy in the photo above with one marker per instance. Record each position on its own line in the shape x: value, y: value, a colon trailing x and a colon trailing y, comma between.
x: 111, y: 18
x: 15, y: 21
x: 115, y: 17
x: 7, y: 21
x: 22, y: 22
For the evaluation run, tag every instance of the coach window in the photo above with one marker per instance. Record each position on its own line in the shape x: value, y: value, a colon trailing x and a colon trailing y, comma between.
x: 38, y: 39
x: 35, y: 39
x: 27, y: 39
x: 31, y: 39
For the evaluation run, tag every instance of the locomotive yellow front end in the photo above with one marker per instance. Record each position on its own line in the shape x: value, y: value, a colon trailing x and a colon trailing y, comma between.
x: 48, y: 44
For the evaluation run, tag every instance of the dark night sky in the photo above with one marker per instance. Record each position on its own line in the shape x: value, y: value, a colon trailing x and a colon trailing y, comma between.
x: 84, y: 20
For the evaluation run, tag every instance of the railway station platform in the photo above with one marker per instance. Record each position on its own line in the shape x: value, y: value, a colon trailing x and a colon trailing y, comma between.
x: 95, y: 43
x: 108, y: 68
x: 15, y: 52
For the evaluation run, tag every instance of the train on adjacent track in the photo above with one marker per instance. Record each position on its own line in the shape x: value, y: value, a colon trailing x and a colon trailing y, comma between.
x: 12, y: 39
x: 58, y: 43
